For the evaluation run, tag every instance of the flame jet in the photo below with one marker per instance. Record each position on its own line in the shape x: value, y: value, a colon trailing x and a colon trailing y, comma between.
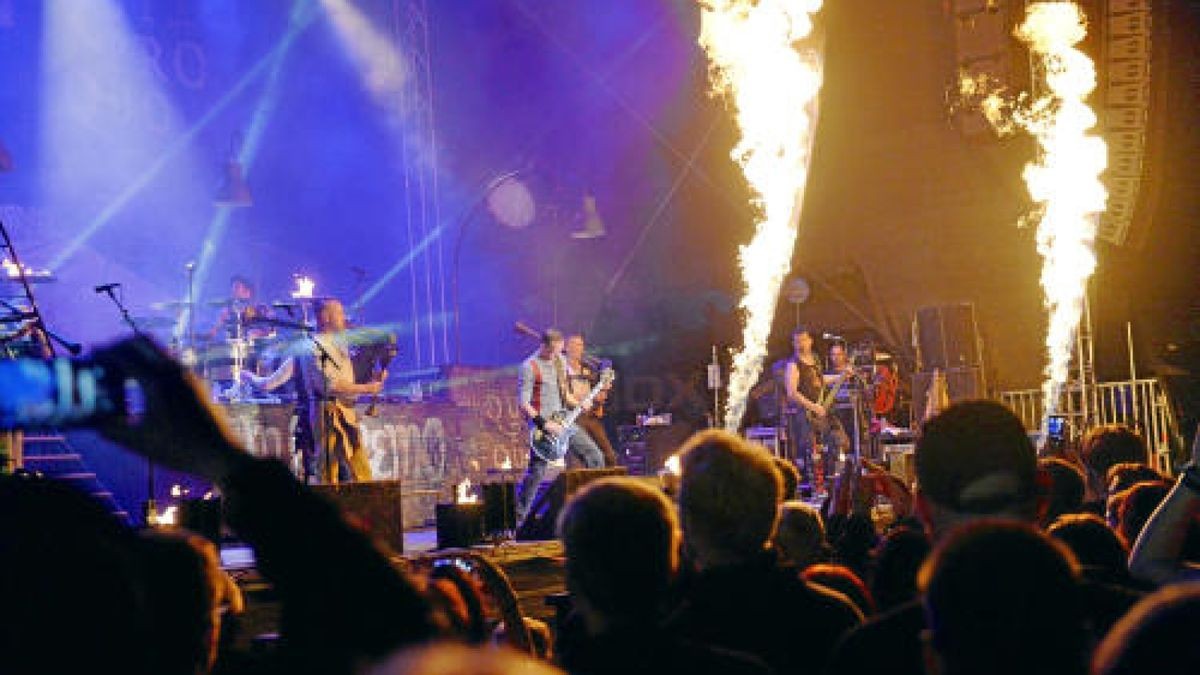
x: 772, y: 86
x: 1064, y: 180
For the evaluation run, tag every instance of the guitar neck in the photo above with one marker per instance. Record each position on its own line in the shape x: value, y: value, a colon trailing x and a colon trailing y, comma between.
x: 587, y: 401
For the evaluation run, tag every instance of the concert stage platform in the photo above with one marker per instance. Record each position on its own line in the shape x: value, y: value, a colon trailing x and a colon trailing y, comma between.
x: 533, y: 568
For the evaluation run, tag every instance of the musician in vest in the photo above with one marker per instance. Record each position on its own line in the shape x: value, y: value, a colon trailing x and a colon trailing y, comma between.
x: 807, y: 415
x: 543, y: 394
x: 327, y: 393
x: 582, y: 375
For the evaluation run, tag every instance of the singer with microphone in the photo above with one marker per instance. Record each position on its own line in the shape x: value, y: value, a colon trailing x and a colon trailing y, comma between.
x: 329, y: 434
x: 583, y: 371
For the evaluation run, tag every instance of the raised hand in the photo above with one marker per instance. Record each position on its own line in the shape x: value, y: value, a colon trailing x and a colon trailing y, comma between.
x: 179, y: 428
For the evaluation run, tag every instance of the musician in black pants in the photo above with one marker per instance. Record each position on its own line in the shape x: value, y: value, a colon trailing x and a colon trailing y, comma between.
x: 582, y: 375
x: 542, y: 392
x: 804, y: 383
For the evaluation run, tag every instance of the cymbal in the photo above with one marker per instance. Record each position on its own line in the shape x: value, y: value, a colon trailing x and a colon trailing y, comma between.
x: 278, y: 323
x: 151, y: 322
x: 31, y: 277
x: 184, y: 304
x: 170, y: 304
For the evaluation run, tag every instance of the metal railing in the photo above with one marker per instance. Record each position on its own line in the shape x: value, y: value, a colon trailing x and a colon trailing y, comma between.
x: 1141, y: 404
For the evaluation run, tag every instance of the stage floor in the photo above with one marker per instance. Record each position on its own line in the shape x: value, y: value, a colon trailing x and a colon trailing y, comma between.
x: 534, y: 568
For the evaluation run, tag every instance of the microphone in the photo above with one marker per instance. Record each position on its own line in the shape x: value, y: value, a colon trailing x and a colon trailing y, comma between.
x: 106, y: 288
x: 831, y: 336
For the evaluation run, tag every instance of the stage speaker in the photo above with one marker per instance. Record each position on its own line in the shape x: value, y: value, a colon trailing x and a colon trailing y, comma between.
x: 948, y: 337
x: 459, y: 525
x: 375, y: 505
x: 961, y: 384
x: 643, y: 450
x: 499, y: 507
x: 542, y: 519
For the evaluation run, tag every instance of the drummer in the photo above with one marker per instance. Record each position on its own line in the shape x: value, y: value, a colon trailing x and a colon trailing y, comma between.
x: 239, y: 311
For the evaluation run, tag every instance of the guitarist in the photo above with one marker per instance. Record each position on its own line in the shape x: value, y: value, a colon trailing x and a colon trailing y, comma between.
x: 804, y: 382
x: 582, y: 376
x: 542, y: 391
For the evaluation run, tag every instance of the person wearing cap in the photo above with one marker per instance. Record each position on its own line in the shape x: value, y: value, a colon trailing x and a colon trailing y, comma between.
x: 974, y: 461
x: 542, y: 392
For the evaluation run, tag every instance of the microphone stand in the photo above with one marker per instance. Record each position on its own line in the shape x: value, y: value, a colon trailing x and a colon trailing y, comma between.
x: 150, y: 508
x: 324, y: 359
x: 124, y: 311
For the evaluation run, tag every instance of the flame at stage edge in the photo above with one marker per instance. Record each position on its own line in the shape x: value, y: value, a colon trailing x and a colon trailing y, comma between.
x: 772, y: 87
x: 1064, y: 180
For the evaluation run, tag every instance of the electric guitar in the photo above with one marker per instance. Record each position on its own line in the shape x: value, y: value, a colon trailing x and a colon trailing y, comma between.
x: 590, y: 364
x: 820, y: 424
x: 553, y: 447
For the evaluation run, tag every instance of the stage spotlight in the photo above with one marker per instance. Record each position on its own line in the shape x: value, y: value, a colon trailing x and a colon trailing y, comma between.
x: 593, y: 226
x: 510, y: 202
x: 233, y: 191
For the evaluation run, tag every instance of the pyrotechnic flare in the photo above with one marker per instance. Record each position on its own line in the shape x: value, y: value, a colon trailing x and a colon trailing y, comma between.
x: 1064, y: 181
x: 754, y: 61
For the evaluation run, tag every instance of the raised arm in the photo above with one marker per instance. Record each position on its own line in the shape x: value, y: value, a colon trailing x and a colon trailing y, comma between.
x: 343, y: 602
x: 1157, y: 556
x: 276, y: 379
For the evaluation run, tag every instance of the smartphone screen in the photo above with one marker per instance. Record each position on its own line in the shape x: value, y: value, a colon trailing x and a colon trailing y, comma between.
x: 37, y: 393
x: 1056, y: 427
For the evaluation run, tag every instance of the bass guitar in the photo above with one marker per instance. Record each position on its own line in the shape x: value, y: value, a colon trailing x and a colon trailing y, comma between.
x: 553, y: 447
x: 820, y: 424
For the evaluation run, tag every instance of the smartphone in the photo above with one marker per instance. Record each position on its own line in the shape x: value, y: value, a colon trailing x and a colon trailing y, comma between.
x: 237, y: 557
x: 1056, y: 428
x: 463, y: 564
x: 54, y: 393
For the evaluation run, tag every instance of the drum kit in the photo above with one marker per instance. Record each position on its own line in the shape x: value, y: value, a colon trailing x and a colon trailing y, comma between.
x: 247, y: 337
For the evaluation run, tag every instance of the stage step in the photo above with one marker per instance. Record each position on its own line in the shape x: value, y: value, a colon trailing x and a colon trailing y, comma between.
x: 52, y: 456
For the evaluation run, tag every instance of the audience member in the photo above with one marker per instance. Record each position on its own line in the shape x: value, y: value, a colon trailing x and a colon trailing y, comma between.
x: 457, y: 659
x: 800, y: 537
x: 790, y: 475
x: 1002, y: 598
x: 841, y: 579
x: 185, y: 591
x: 1100, y: 552
x: 1104, y: 447
x: 1157, y: 636
x: 1126, y: 474
x: 973, y: 461
x: 1136, y: 505
x: 740, y: 597
x: 70, y: 583
x: 620, y: 580
x: 342, y: 602
x: 1159, y: 554
x: 894, y: 569
x: 1066, y: 488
